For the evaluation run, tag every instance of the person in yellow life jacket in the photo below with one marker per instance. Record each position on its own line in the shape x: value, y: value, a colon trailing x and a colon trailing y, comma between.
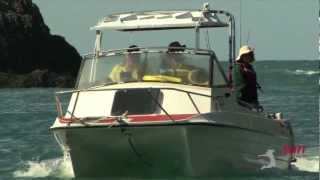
x: 129, y: 69
x: 173, y: 65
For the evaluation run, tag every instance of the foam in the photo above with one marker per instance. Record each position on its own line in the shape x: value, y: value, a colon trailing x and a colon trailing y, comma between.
x: 59, y: 167
x: 309, y: 164
x: 305, y: 72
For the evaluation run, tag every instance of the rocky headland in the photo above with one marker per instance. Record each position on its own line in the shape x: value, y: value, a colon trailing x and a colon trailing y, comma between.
x: 30, y: 56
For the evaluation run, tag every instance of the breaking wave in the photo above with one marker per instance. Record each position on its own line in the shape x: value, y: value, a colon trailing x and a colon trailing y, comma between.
x: 58, y: 168
x: 304, y: 72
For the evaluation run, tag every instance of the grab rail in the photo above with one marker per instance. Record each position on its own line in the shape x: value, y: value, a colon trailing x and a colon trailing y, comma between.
x: 60, y: 110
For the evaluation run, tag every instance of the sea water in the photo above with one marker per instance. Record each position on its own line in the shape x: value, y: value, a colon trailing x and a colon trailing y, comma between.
x: 28, y: 149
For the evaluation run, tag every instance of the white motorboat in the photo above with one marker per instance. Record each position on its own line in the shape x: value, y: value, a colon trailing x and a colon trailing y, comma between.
x: 162, y: 124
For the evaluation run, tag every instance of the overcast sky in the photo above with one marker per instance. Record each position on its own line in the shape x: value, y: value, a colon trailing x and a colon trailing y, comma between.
x: 278, y: 29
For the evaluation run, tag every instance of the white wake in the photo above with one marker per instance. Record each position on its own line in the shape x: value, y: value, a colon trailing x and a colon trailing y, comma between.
x: 59, y: 167
x: 304, y: 72
x: 310, y: 164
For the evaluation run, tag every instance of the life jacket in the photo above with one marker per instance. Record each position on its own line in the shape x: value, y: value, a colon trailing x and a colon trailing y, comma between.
x: 121, y: 73
x: 188, y: 74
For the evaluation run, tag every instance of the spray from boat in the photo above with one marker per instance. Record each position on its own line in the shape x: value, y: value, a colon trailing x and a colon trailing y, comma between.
x: 58, y: 168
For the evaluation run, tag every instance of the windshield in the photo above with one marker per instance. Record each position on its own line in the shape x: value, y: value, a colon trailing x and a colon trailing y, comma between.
x: 185, y: 67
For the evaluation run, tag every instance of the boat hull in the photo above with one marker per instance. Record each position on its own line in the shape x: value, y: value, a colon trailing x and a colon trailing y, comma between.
x: 170, y: 150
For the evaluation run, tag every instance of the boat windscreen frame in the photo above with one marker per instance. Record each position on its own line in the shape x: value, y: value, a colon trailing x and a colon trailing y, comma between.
x: 211, y: 55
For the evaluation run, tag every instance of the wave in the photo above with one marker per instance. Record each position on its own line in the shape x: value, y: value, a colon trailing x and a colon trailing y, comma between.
x: 308, y: 164
x: 58, y: 168
x: 62, y: 168
x: 303, y: 72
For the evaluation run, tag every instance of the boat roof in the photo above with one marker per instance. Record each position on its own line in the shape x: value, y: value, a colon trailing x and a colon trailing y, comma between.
x: 160, y: 20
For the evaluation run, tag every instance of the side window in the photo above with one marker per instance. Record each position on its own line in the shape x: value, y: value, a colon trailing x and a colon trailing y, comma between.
x: 219, y: 77
x: 84, y: 73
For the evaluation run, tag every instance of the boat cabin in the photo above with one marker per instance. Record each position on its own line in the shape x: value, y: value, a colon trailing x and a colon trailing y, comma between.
x: 151, y: 80
x: 191, y: 66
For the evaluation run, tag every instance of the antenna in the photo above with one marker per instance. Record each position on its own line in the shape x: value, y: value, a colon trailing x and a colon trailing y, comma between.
x: 319, y: 36
x: 248, y: 37
x: 319, y: 53
x: 240, y: 29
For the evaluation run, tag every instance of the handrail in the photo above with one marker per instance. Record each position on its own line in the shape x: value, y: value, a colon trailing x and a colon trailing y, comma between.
x: 74, y: 107
x: 114, y: 89
x: 60, y: 113
x: 59, y: 106
x: 157, y: 102
x: 232, y: 39
x: 193, y: 103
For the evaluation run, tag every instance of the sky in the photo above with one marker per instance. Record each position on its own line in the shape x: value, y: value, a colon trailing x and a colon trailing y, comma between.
x: 277, y: 29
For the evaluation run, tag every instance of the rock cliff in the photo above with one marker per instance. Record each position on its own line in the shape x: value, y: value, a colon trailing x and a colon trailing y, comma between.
x: 30, y: 56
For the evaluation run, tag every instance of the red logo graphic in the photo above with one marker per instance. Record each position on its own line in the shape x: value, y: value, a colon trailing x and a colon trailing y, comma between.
x: 293, y: 149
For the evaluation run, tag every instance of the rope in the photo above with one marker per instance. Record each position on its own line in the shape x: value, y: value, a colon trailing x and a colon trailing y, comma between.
x: 134, y: 149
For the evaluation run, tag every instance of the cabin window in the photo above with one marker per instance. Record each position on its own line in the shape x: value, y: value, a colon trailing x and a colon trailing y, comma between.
x: 137, y: 101
x: 219, y: 78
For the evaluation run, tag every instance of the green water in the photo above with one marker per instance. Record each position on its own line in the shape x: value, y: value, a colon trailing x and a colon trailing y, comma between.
x: 285, y: 29
x: 28, y: 149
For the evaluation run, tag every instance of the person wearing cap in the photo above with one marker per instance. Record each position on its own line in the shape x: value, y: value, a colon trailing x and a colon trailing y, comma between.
x: 173, y: 65
x: 175, y: 46
x: 174, y: 59
x: 129, y: 69
x: 245, y: 77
